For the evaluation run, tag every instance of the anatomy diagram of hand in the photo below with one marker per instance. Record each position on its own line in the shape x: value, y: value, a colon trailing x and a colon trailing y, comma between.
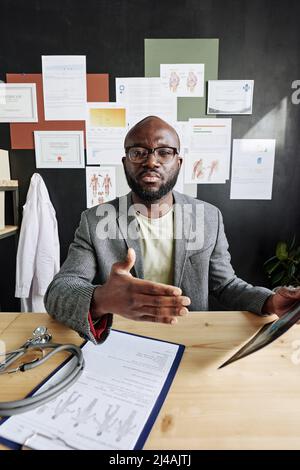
x: 200, y: 171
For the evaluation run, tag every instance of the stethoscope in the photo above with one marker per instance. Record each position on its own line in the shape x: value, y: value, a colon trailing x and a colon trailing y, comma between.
x: 40, y: 341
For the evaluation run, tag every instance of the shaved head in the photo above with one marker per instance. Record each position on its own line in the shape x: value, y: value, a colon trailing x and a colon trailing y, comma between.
x: 151, y: 180
x: 150, y: 124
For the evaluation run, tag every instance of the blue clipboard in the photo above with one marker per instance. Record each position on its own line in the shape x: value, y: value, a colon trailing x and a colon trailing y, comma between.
x: 155, y: 410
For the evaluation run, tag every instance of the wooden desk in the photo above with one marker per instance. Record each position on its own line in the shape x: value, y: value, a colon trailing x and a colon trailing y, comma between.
x: 251, y: 404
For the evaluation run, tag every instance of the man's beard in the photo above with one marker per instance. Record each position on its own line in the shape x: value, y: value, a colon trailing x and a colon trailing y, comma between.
x: 149, y: 195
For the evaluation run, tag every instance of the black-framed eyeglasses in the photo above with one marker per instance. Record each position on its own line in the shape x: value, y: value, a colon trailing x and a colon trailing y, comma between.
x: 140, y: 154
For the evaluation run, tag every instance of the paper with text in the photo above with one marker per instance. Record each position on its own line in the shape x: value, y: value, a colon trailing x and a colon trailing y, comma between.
x: 105, y: 133
x: 208, y: 157
x: 110, y: 404
x: 252, y: 168
x: 143, y: 97
x: 64, y: 87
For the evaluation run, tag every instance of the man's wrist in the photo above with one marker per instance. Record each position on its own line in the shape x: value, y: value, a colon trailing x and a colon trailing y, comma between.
x: 268, y: 306
x: 96, y: 310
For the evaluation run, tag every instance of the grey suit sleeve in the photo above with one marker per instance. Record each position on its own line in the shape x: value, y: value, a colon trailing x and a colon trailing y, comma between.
x: 232, y: 292
x: 69, y: 295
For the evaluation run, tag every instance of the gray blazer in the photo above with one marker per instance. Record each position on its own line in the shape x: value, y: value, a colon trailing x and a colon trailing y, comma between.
x: 200, y: 268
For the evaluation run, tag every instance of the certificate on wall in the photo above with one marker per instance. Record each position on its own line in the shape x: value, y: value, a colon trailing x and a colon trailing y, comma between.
x: 59, y: 149
x: 18, y: 102
x: 182, y: 79
x: 100, y: 184
x: 252, y: 168
x: 230, y: 96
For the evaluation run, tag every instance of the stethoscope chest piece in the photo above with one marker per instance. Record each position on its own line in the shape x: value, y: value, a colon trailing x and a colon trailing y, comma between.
x: 41, y: 335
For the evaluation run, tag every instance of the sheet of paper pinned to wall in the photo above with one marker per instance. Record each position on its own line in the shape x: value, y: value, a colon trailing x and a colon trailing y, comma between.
x: 252, y: 168
x: 143, y: 97
x: 186, y: 80
x: 230, y: 96
x: 64, y: 85
x: 100, y: 184
x: 208, y: 157
x: 106, y: 127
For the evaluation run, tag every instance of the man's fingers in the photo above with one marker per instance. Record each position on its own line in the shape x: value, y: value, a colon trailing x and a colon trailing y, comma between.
x: 155, y: 288
x: 125, y: 266
x: 159, y: 301
x: 158, y: 315
x: 290, y: 293
x: 159, y: 312
x: 168, y: 320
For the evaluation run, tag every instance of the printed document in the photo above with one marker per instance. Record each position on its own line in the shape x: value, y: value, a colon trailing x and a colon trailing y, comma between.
x: 208, y: 157
x: 105, y: 133
x: 100, y: 184
x: 111, y: 406
x: 252, y: 168
x: 143, y: 97
x: 64, y: 87
x: 185, y: 80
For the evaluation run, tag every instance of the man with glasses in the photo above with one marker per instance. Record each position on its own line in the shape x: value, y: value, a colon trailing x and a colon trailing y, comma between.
x: 161, y: 252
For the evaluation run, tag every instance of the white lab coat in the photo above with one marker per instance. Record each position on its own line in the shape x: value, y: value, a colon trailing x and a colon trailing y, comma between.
x: 38, y: 249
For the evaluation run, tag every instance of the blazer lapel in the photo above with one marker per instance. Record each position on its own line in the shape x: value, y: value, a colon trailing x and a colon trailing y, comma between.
x: 128, y: 226
x: 182, y: 227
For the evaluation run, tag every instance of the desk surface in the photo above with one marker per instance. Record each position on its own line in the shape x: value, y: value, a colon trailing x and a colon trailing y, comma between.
x: 251, y: 404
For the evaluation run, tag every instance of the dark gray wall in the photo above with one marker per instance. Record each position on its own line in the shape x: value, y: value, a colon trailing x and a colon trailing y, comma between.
x: 259, y: 39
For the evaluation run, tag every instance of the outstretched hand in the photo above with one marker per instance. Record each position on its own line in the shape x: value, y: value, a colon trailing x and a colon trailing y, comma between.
x: 137, y: 299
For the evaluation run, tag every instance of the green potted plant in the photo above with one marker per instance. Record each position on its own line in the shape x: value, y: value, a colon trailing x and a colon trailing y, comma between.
x: 283, y: 269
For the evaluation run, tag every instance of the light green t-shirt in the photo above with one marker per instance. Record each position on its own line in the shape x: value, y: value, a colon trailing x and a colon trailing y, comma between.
x: 157, y: 243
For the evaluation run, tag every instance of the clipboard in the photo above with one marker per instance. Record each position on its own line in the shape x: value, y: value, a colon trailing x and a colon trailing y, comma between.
x: 266, y: 335
x: 143, y: 434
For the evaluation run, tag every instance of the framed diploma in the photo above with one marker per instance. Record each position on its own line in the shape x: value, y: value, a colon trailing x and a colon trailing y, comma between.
x: 18, y: 102
x: 59, y: 149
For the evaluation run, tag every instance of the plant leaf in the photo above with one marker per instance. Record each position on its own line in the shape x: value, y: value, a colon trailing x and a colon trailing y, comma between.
x: 270, y: 259
x: 277, y: 277
x: 281, y: 251
x: 292, y: 244
x: 291, y: 270
x: 272, y: 266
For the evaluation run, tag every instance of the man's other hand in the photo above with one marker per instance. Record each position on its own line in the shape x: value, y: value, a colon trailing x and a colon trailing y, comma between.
x: 282, y: 301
